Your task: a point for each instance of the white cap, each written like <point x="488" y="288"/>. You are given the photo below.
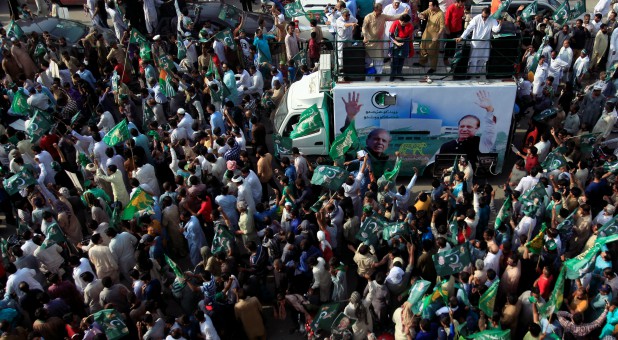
<point x="156" y="37"/>
<point x="187" y="34"/>
<point x="361" y="153"/>
<point x="181" y="111"/>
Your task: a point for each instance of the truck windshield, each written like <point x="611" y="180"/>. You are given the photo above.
<point x="282" y="111"/>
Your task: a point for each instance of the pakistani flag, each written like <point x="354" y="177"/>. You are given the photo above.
<point x="75" y="117"/>
<point x="223" y="240"/>
<point x="488" y="299"/>
<point x="391" y="175"/>
<point x="300" y="58"/>
<point x="455" y="169"/>
<point x="587" y="141"/>
<point x="282" y="145"/>
<point x="166" y="64"/>
<point x="230" y="14"/>
<point x="369" y="230"/>
<point x="14" y="31"/>
<point x="226" y="38"/>
<point x="419" y="109"/>
<point x="139" y="201"/>
<point x="417" y="291"/>
<point x="117" y="134"/>
<point x="491" y="334"/>
<point x="611" y="167"/>
<point x="556" y="297"/>
<point x="325" y="317"/>
<point x="330" y="177"/>
<point x="504" y="6"/>
<point x="145" y="51"/>
<point x="452" y="261"/>
<point x="20" y="106"/>
<point x="310" y="122"/>
<point x="609" y="228"/>
<point x="568" y="222"/>
<point x="38" y="126"/>
<point x="344" y="142"/>
<point x="393" y="229"/>
<point x="111" y="322"/>
<point x="529" y="11"/>
<point x="20" y="180"/>
<point x="453" y="228"/>
<point x="611" y="71"/>
<point x="554" y="160"/>
<point x="537" y="191"/>
<point x="182" y="49"/>
<point x="579" y="9"/>
<point x="505" y="212"/>
<point x="580" y="264"/>
<point x="137" y="37"/>
<point x="561" y="15"/>
<point x="174" y="267"/>
<point x="319" y="203"/>
<point x="535" y="246"/>
<point x="294" y="9"/>
<point x="54" y="236"/>
<point x="545" y="114"/>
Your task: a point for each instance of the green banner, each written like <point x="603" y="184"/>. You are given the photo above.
<point x="344" y="142"/>
<point x="330" y="177"/>
<point x="20" y="180"/>
<point x="117" y="134"/>
<point x="488" y="299"/>
<point x="112" y="324"/>
<point x="294" y="9"/>
<point x="453" y="260"/>
<point x="310" y="122"/>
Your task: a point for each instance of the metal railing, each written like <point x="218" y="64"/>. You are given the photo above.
<point x="445" y="59"/>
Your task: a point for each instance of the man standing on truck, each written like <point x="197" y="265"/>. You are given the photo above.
<point x="481" y="27"/>
<point x="429" y="43"/>
<point x="345" y="29"/>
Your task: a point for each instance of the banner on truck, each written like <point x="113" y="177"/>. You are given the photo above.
<point x="424" y="121"/>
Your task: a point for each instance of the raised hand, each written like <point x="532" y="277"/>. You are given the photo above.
<point x="483" y="101"/>
<point x="352" y="108"/>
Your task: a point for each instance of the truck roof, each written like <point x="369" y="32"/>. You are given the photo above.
<point x="424" y="83"/>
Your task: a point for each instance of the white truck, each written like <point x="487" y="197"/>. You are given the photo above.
<point x="426" y="121"/>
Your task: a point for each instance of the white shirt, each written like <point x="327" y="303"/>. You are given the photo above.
<point x="21" y="275"/>
<point x="208" y="329"/>
<point x="244" y="80"/>
<point x="526" y="184"/>
<point x="84" y="266"/>
<point x="253" y="182"/>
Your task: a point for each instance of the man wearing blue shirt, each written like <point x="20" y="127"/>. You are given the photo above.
<point x="216" y="119"/>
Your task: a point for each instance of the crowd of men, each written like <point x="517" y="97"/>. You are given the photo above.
<point x="147" y="203"/>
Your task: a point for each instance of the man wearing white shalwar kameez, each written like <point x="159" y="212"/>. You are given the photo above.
<point x="539" y="77"/>
<point x="122" y="247"/>
<point x="612" y="57"/>
<point x="150" y="14"/>
<point x="481" y="27"/>
<point x="119" y="26"/>
<point x="556" y="69"/>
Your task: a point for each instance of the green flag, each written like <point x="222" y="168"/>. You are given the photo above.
<point x="139" y="201"/>
<point x="117" y="134"/>
<point x="223" y="240"/>
<point x="561" y="15"/>
<point x="609" y="228"/>
<point x="54" y="236"/>
<point x="166" y="84"/>
<point x="226" y="38"/>
<point x="611" y="167"/>
<point x="300" y="58"/>
<point x="529" y="11"/>
<point x="578" y="265"/>
<point x="370" y="229"/>
<point x="75" y="117"/>
<point x="310" y="122"/>
<point x="282" y="145"/>
<point x="535" y="246"/>
<point x="344" y="142"/>
<point x="330" y="177"/>
<point x="553" y="161"/>
<point x="587" y="141"/>
<point x="504" y="6"/>
<point x="20" y="106"/>
<point x="20" y="180"/>
<point x="568" y="222"/>
<point x="145" y="51"/>
<point x="166" y="64"/>
<point x="557" y="295"/>
<point x="174" y="267"/>
<point x="137" y="37"/>
<point x="393" y="229"/>
<point x="182" y="49"/>
<point x="392" y="174"/>
<point x="491" y="334"/>
<point x="14" y="31"/>
<point x="417" y="291"/>
<point x="325" y="316"/>
<point x="455" y="169"/>
<point x="154" y="135"/>
<point x="38" y="126"/>
<point x="611" y="71"/>
<point x="505" y="212"/>
<point x="453" y="228"/>
<point x="488" y="299"/>
<point x="453" y="260"/>
<point x="579" y="9"/>
<point x="294" y="9"/>
<point x="230" y="14"/>
<point x="538" y="191"/>
<point x="111" y="322"/>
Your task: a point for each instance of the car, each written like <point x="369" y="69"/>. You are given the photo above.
<point x="72" y="2"/>
<point x="73" y="31"/>
<point x="544" y="7"/>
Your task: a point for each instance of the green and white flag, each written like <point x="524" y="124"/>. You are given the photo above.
<point x="568" y="222"/>
<point x="611" y="71"/>
<point x="310" y="122"/>
<point x="370" y="229"/>
<point x="330" y="177"/>
<point x="557" y="296"/>
<point x="166" y="64"/>
<point x="282" y="145"/>
<point x="111" y="322"/>
<point x="326" y="316"/>
<point x="453" y="260"/>
<point x="223" y="240"/>
<point x="182" y="49"/>
<point x="611" y="167"/>
<point x="54" y="236"/>
<point x="417" y="291"/>
<point x="300" y="58"/>
<point x="226" y="38"/>
<point x="136" y="37"/>
<point x="491" y="334"/>
<point x="145" y="51"/>
<point x="504" y="6"/>
<point x="419" y="109"/>
<point x="609" y="228"/>
<point x="579" y="9"/>
<point x="561" y="15"/>
<point x="488" y="299"/>
<point x="505" y="212"/>
<point x="20" y="106"/>
<point x="294" y="9"/>
<point x="38" y="126"/>
<point x="553" y="161"/>
<point x="393" y="229"/>
<point x="391" y="175"/>
<point x="117" y="134"/>
<point x="529" y="12"/>
<point x="587" y="141"/>
<point x="20" y="180"/>
<point x="535" y="246"/>
<point x="537" y="191"/>
<point x="230" y="14"/>
<point x="344" y="142"/>
<point x="14" y="31"/>
<point x="174" y="267"/>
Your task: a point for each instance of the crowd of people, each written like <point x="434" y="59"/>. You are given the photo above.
<point x="149" y="206"/>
